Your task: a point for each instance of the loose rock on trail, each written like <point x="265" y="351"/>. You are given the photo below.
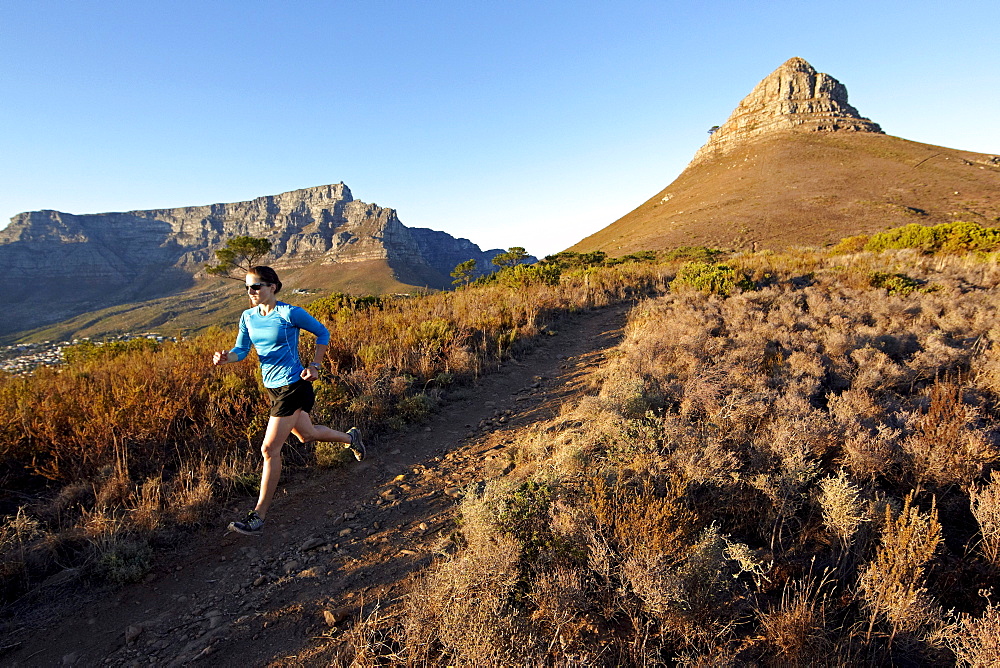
<point x="338" y="544"/>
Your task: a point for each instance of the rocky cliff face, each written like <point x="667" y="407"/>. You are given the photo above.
<point x="793" y="96"/>
<point x="63" y="264"/>
<point x="445" y="252"/>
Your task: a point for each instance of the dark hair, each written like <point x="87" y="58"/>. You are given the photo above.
<point x="267" y="275"/>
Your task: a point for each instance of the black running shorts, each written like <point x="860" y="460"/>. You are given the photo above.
<point x="287" y="399"/>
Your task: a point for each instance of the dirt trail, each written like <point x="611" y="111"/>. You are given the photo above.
<point x="337" y="542"/>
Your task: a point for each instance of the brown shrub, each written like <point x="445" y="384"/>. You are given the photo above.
<point x="561" y="616"/>
<point x="461" y="611"/>
<point x="986" y="509"/>
<point x="797" y="626"/>
<point x="698" y="598"/>
<point x="946" y="447"/>
<point x="893" y="583"/>
<point x="976" y="640"/>
<point x="644" y="514"/>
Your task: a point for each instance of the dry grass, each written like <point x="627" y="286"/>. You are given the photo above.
<point x="731" y="448"/>
<point x="141" y="441"/>
<point x="798" y="626"/>
<point x="463" y="611"/>
<point x="736" y="446"/>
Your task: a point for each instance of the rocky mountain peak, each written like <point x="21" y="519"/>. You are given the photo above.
<point x="794" y="96"/>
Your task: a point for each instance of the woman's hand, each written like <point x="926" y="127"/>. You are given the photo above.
<point x="310" y="373"/>
<point x="220" y="357"/>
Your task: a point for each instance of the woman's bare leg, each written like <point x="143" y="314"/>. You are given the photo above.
<point x="278" y="429"/>
<point x="306" y="431"/>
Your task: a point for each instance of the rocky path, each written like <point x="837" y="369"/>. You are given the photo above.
<point x="338" y="544"/>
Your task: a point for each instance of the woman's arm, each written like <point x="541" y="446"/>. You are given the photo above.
<point x="302" y="319"/>
<point x="239" y="351"/>
<point x="311" y="372"/>
<point x="319" y="355"/>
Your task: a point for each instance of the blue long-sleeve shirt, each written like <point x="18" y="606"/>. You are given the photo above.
<point x="276" y="338"/>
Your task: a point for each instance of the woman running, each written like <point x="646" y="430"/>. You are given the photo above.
<point x="272" y="327"/>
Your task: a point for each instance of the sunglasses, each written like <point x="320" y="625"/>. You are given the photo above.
<point x="256" y="286"/>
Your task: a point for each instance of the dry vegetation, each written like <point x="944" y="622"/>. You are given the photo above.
<point x="800" y="472"/>
<point x="789" y="460"/>
<point x="117" y="452"/>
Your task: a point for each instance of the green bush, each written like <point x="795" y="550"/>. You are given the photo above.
<point x="569" y="259"/>
<point x="245" y="484"/>
<point x="523" y="275"/>
<point x="416" y="408"/>
<point x="719" y="279"/>
<point x="524" y="516"/>
<point x="338" y="303"/>
<point x="123" y="560"/>
<point x="854" y="244"/>
<point x="434" y="332"/>
<point x="332" y="455"/>
<point x="693" y="254"/>
<point x="895" y="284"/>
<point x="638" y="256"/>
<point x="957" y="237"/>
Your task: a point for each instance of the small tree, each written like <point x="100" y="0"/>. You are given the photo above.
<point x="514" y="255"/>
<point x="712" y="130"/>
<point x="239" y="253"/>
<point x="463" y="272"/>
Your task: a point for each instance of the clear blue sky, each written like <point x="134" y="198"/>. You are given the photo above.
<point x="506" y="122"/>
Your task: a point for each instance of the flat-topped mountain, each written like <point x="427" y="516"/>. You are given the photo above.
<point x="796" y="165"/>
<point x="62" y="264"/>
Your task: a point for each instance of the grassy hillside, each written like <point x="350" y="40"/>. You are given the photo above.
<point x="808" y="189"/>
<point x="188" y="312"/>
<point x="219" y="302"/>
<point x="373" y="277"/>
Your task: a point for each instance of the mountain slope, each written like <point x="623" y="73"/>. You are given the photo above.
<point x="796" y="165"/>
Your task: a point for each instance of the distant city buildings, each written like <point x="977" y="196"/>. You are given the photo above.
<point x="23" y="358"/>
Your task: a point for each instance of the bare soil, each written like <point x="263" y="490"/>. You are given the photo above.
<point x="339" y="543"/>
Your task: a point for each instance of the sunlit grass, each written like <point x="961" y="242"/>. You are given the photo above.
<point x="130" y="440"/>
<point x="800" y="472"/>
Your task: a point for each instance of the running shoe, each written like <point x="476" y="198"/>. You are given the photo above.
<point x="356" y="446"/>
<point x="253" y="525"/>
